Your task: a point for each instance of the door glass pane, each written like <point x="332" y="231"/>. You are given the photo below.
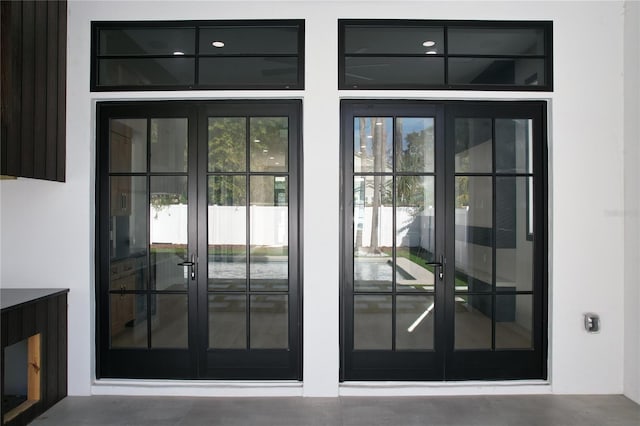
<point x="373" y="144"/>
<point x="514" y="321"/>
<point x="473" y="145"/>
<point x="128" y="145"/>
<point x="373" y="233"/>
<point x="514" y="142"/>
<point x="514" y="247"/>
<point x="128" y="273"/>
<point x="269" y="145"/>
<point x="372" y="322"/>
<point x="415" y="233"/>
<point x="127" y="225"/>
<point x="269" y="321"/>
<point x="414" y="322"/>
<point x="227" y="144"/>
<point x="244" y="72"/>
<point x="227" y="321"/>
<point x="414" y="145"/>
<point x="473" y="233"/>
<point x="472" y="322"/>
<point x="169" y="140"/>
<point x="178" y="71"/>
<point x="386" y="71"/>
<point x="168" y="232"/>
<point x="365" y="39"/>
<point x="128" y="318"/>
<point x="147" y="41"/>
<point x="169" y="321"/>
<point x="227" y="233"/>
<point x="496" y="41"/>
<point x="269" y="249"/>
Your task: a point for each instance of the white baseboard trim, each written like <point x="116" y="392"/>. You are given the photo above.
<point x="196" y="388"/>
<point x="518" y="387"/>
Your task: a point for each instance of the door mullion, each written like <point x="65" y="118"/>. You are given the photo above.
<point x="198" y="176"/>
<point x="148" y="231"/>
<point x="247" y="288"/>
<point x="445" y="225"/>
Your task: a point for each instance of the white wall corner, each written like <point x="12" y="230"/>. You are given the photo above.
<point x="632" y="199"/>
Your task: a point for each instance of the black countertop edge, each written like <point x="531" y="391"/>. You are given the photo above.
<point x="13" y="298"/>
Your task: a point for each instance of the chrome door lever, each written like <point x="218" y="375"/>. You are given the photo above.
<point x="440" y="266"/>
<point x="191" y="264"/>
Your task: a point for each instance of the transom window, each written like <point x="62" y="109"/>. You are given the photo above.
<point x="189" y="55"/>
<point x="465" y="55"/>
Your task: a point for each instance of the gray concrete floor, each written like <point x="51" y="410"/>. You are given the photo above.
<point x="542" y="410"/>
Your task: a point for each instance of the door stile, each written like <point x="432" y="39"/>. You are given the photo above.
<point x="200" y="292"/>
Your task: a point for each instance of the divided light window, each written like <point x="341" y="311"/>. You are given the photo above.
<point x="189" y="55"/>
<point x="463" y="55"/>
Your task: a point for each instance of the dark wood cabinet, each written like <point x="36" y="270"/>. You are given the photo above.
<point x="33" y="67"/>
<point x="37" y="317"/>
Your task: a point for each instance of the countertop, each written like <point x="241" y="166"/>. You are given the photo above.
<point x="11" y="298"/>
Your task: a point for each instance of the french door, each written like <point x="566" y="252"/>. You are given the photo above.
<point x="444" y="240"/>
<point x="197" y="242"/>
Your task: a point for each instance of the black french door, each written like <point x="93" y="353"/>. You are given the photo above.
<point x="444" y="240"/>
<point x="197" y="242"/>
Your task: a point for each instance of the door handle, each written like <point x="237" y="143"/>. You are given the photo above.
<point x="191" y="264"/>
<point x="440" y="266"/>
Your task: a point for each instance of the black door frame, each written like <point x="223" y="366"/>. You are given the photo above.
<point x="444" y="363"/>
<point x="191" y="363"/>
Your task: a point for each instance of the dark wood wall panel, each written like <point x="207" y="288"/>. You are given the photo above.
<point x="27" y="83"/>
<point x="34" y="89"/>
<point x="52" y="90"/>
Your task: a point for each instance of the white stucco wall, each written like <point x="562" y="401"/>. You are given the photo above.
<point x="55" y="247"/>
<point x="632" y="200"/>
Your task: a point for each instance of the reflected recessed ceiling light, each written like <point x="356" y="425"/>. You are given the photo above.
<point x="429" y="43"/>
<point x="431" y="52"/>
<point x="369" y="137"/>
<point x="378" y="123"/>
<point x="265" y="150"/>
<point x="256" y="140"/>
<point x="277" y="164"/>
<point x="217" y="44"/>
<point x="272" y="158"/>
<point x="363" y="146"/>
<point x="178" y="53"/>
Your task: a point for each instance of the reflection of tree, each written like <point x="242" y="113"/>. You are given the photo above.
<point x="379" y="160"/>
<point x="462" y="191"/>
<point x="226" y="153"/>
<point x="227" y="147"/>
<point x="463" y="135"/>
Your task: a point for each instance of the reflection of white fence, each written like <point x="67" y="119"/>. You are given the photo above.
<point x="414" y="228"/>
<point x="226" y="225"/>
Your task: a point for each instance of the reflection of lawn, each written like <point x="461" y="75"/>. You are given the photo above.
<point x="407" y="253"/>
<point x="178" y="249"/>
<point x="241" y="250"/>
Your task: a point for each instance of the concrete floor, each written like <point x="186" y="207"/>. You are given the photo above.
<point x="540" y="410"/>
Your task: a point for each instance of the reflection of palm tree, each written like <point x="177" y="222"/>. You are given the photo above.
<point x="379" y="152"/>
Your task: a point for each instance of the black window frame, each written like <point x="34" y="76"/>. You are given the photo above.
<point x="96" y="26"/>
<point x="546" y="56"/>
